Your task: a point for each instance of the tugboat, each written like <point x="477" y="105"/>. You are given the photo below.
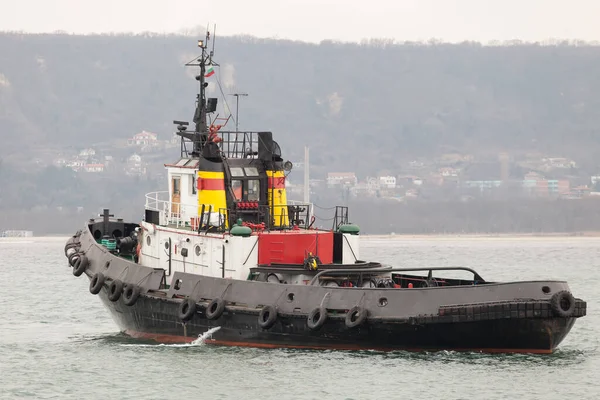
<point x="224" y="250"/>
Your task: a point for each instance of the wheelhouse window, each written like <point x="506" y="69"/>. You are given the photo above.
<point x="193" y="183"/>
<point x="253" y="192"/>
<point x="237" y="187"/>
<point x="245" y="183"/>
<point x="251" y="171"/>
<point x="237" y="172"/>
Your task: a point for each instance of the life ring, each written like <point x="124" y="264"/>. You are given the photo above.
<point x="115" y="288"/>
<point x="187" y="309"/>
<point x="215" y="308"/>
<point x="355" y="317"/>
<point x="80" y="265"/>
<point x="563" y="304"/>
<point x="316" y="318"/>
<point x="131" y="294"/>
<point x="267" y="317"/>
<point x="96" y="283"/>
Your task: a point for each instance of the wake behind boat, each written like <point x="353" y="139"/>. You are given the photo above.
<point x="223" y="247"/>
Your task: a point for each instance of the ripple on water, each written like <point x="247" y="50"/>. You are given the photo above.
<point x="59" y="342"/>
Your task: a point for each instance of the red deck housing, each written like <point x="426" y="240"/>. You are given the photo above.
<point x="292" y="247"/>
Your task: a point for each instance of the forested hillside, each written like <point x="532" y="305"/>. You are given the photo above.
<point x="377" y="100"/>
<point x="367" y="108"/>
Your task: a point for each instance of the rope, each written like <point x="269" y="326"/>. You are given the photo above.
<point x="323" y="219"/>
<point x="224" y="97"/>
<point x="324" y="208"/>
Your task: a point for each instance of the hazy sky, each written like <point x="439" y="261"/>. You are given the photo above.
<point x="315" y="20"/>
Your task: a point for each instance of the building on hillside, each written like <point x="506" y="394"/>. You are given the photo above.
<point x="535" y="184"/>
<point x="335" y="179"/>
<point x="143" y="138"/>
<point x="87" y="153"/>
<point x="94" y="168"/>
<point x="558" y="162"/>
<point x="76" y="165"/>
<point x="387" y="182"/>
<point x="483" y="185"/>
<point x="135" y="166"/>
<point x="447" y="172"/>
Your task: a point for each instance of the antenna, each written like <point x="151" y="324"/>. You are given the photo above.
<point x="212" y="52"/>
<point x="237" y="108"/>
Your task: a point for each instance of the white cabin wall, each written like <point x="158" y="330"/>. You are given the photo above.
<point x="241" y="254"/>
<point x="350" y="245"/>
<point x="188" y="199"/>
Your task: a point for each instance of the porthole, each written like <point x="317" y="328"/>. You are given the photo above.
<point x="382" y="302"/>
<point x="107" y="265"/>
<point x="290" y="297"/>
<point x="545" y="289"/>
<point x="148" y="240"/>
<point x="197" y="250"/>
<point x="166" y="245"/>
<point x="177" y="284"/>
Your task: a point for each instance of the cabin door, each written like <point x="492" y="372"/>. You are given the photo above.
<point x="175" y="194"/>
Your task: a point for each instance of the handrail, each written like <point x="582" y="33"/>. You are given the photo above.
<point x="180" y="214"/>
<point x="476" y="276"/>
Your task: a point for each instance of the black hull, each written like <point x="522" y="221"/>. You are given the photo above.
<point x="157" y="319"/>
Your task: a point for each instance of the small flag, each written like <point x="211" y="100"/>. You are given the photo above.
<point x="210" y="71"/>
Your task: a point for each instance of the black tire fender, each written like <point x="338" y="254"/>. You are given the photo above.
<point x="267" y="317"/>
<point x="316" y="318"/>
<point x="355" y="316"/>
<point x="96" y="283"/>
<point x="115" y="288"/>
<point x="215" y="308"/>
<point x="187" y="309"/>
<point x="131" y="294"/>
<point x="71" y="245"/>
<point x="563" y="304"/>
<point x="80" y="265"/>
<point x="73" y="257"/>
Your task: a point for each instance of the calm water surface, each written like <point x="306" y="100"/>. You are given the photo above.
<point x="58" y="342"/>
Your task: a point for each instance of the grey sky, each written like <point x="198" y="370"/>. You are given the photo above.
<point x="315" y="20"/>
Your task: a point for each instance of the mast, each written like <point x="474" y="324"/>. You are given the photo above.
<point x="204" y="106"/>
<point x="200" y="115"/>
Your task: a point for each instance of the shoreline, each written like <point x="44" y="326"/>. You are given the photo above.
<point x="547" y="235"/>
<point x="406" y="236"/>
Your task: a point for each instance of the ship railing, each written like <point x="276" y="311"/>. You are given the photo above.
<point x="171" y="213"/>
<point x="284" y="216"/>
<point x="346" y="271"/>
<point x="241" y="144"/>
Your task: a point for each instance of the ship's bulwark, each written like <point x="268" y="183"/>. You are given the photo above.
<point x="156" y="319"/>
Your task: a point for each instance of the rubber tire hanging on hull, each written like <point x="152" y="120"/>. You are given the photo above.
<point x="187" y="309"/>
<point x="131" y="294"/>
<point x="563" y="304"/>
<point x="355" y="316"/>
<point x="69" y="246"/>
<point x="267" y="317"/>
<point x="96" y="283"/>
<point x="115" y="288"/>
<point x="314" y="324"/>
<point x="80" y="265"/>
<point x="215" y="308"/>
<point x="73" y="257"/>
